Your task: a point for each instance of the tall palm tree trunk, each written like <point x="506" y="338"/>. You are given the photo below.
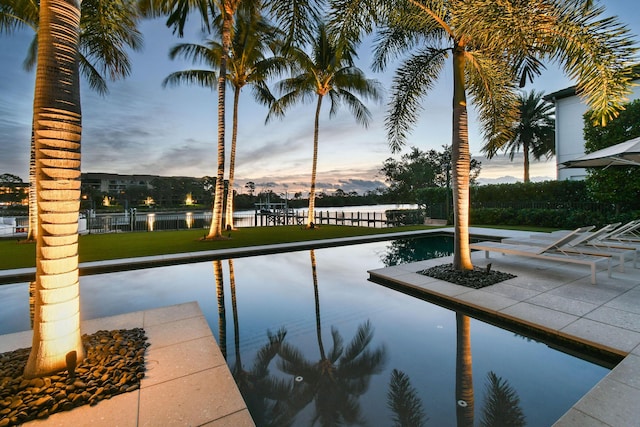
<point x="314" y="166"/>
<point x="232" y="161"/>
<point x="464" y="372"/>
<point x="222" y="314"/>
<point x="58" y="127"/>
<point x="215" y="231"/>
<point x="461" y="167"/>
<point x="316" y="294"/>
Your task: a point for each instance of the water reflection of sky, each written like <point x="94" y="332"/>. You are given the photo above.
<point x="276" y="291"/>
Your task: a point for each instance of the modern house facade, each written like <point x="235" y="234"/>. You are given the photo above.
<point x="569" y="112"/>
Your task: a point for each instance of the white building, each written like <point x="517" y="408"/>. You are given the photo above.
<point x="570" y="110"/>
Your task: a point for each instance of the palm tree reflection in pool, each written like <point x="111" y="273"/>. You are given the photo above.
<point x="339" y="378"/>
<point x="336" y="382"/>
<point x="404" y="402"/>
<point x="222" y="315"/>
<point x="501" y="402"/>
<point x="266" y="396"/>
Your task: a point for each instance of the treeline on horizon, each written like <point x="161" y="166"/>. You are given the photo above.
<point x="170" y="193"/>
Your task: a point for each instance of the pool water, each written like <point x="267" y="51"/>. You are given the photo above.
<point x="308" y="337"/>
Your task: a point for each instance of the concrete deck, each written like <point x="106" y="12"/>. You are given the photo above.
<point x="553" y="299"/>
<point x="187" y="380"/>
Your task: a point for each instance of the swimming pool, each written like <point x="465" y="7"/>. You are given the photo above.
<point x="322" y="298"/>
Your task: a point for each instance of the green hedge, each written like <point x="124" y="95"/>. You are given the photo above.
<point x="555" y="204"/>
<point x="553" y="218"/>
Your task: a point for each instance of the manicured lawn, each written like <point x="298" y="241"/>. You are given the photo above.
<point x="96" y="247"/>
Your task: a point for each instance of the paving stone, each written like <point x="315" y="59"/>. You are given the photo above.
<point x="185" y="358"/>
<point x="615" y="317"/>
<point x="194" y="399"/>
<point x="610" y="336"/>
<point x="612" y="402"/>
<point x="627" y="371"/>
<point x="562" y="304"/>
<point x="575" y="418"/>
<point x="545" y="317"/>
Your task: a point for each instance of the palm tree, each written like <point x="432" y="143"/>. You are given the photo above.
<point x="493" y="47"/>
<point x="56" y="148"/>
<point x="294" y="15"/>
<point x="329" y="71"/>
<point x="57" y="132"/>
<point x="106" y="28"/>
<point x="248" y="65"/>
<point x="533" y="131"/>
<point x="177" y="12"/>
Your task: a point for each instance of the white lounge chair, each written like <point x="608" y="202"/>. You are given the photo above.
<point x="630" y="232"/>
<point x="548" y="252"/>
<point x="584" y="242"/>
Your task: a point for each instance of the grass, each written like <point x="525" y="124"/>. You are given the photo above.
<point x="99" y="247"/>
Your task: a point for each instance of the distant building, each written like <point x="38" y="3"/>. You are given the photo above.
<point x="14" y="193"/>
<point x="131" y="190"/>
<point x="570" y="109"/>
<point x="114" y="183"/>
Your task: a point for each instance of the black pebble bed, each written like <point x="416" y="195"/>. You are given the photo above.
<point x="476" y="278"/>
<point x="114" y="364"/>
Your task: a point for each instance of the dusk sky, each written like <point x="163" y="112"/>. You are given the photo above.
<point x="141" y="128"/>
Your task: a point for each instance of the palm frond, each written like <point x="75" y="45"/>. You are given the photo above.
<point x="495" y="97"/>
<point x="204" y="78"/>
<point x="262" y="94"/>
<point x="297" y="18"/>
<point x="358" y="109"/>
<point x="597" y="52"/>
<point x="32" y="54"/>
<point x="349" y="19"/>
<point x="199" y="54"/>
<point x="107" y="27"/>
<point x="93" y="76"/>
<point x="413" y="79"/>
<point x="390" y="42"/>
<point x="17" y="14"/>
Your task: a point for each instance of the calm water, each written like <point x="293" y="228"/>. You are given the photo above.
<point x="342" y="337"/>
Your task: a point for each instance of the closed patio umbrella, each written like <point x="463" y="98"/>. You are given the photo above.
<point x="624" y="154"/>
